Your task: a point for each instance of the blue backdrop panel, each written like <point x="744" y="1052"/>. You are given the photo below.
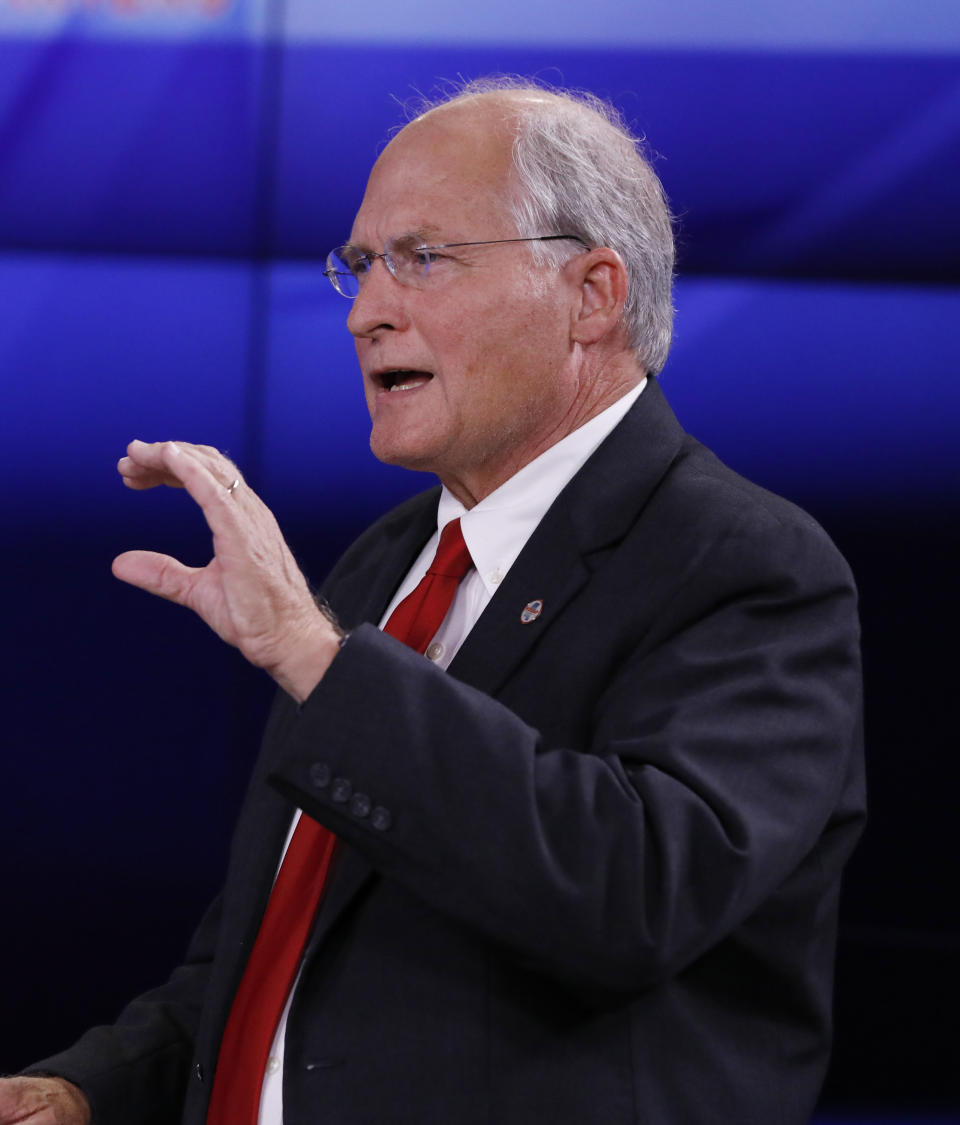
<point x="94" y="353"/>
<point x="138" y="146"/>
<point x="838" y="395"/>
<point x="97" y="351"/>
<point x="873" y="26"/>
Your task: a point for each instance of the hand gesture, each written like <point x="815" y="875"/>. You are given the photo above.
<point x="251" y="593"/>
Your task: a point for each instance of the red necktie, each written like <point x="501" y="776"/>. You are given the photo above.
<point x="417" y="618"/>
<point x="271" y="970"/>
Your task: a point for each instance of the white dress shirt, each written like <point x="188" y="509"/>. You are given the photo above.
<point x="496" y="531"/>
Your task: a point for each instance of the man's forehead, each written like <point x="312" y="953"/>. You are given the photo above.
<point x="462" y="141"/>
<point x="434" y="176"/>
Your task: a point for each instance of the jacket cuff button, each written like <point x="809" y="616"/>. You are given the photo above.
<point x="381" y="818"/>
<point x="360" y="805"/>
<point x="320" y="775"/>
<point x="341" y="790"/>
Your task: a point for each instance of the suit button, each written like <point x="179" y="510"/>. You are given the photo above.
<point x="381" y="818"/>
<point x="341" y="790"/>
<point x="360" y="805"/>
<point x="198" y="1071"/>
<point x="320" y="774"/>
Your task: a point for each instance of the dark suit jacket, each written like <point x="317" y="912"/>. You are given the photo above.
<point x="588" y="875"/>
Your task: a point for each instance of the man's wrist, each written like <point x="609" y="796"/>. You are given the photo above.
<point x="325" y="608"/>
<point x="308" y="658"/>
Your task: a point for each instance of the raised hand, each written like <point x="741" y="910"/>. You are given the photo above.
<point x="251" y="593"/>
<point x="42" y="1101"/>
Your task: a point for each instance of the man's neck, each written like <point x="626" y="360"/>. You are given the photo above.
<point x="600" y="390"/>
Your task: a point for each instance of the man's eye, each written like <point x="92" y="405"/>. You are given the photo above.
<point x="424" y="257"/>
<point x="359" y="265"/>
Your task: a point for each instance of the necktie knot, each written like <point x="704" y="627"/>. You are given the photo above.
<point x="452" y="559"/>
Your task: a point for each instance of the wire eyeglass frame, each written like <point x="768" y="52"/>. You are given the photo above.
<point x="408" y="264"/>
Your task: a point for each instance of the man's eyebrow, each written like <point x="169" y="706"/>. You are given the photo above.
<point x="422" y="236"/>
<point x="425" y="234"/>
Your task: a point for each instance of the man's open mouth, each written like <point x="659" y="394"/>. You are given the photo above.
<point x="403" y="379"/>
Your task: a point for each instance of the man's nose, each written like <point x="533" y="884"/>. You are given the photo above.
<point x="380" y="304"/>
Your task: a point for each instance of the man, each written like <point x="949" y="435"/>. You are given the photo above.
<point x="583" y="859"/>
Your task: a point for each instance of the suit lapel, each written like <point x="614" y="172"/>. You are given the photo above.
<point x="593" y="513"/>
<point x="550" y="570"/>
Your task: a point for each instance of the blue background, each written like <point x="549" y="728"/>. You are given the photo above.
<point x="172" y="173"/>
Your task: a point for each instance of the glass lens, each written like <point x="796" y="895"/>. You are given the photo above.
<point x="407" y="261"/>
<point x="341" y="266"/>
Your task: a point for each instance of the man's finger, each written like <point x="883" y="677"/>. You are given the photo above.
<point x="144" y="466"/>
<point x="137" y="477"/>
<point x="168" y="457"/>
<point x="203" y="471"/>
<point x="156" y="573"/>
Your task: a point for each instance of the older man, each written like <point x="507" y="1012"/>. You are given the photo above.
<point x="561" y="840"/>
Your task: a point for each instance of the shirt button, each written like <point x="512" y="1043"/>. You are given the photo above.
<point x="273" y="1064"/>
<point x="435" y="651"/>
<point x="494" y="577"/>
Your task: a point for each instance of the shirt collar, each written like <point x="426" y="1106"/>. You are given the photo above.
<point x="496" y="529"/>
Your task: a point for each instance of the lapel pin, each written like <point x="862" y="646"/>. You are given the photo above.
<point x="531" y="611"/>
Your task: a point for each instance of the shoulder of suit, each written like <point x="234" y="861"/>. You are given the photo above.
<point x="729" y="509"/>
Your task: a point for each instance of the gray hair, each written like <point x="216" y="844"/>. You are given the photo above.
<point x="580" y="171"/>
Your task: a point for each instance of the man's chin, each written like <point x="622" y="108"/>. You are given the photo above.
<point x="403" y="454"/>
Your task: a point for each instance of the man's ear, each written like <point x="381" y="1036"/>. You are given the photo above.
<point x="602" y="282"/>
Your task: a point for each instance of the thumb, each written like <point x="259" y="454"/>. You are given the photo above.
<point x="157" y="574"/>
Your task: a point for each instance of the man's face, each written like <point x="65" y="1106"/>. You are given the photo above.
<point x="481" y="359"/>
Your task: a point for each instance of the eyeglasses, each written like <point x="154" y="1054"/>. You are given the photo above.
<point x="408" y="261"/>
